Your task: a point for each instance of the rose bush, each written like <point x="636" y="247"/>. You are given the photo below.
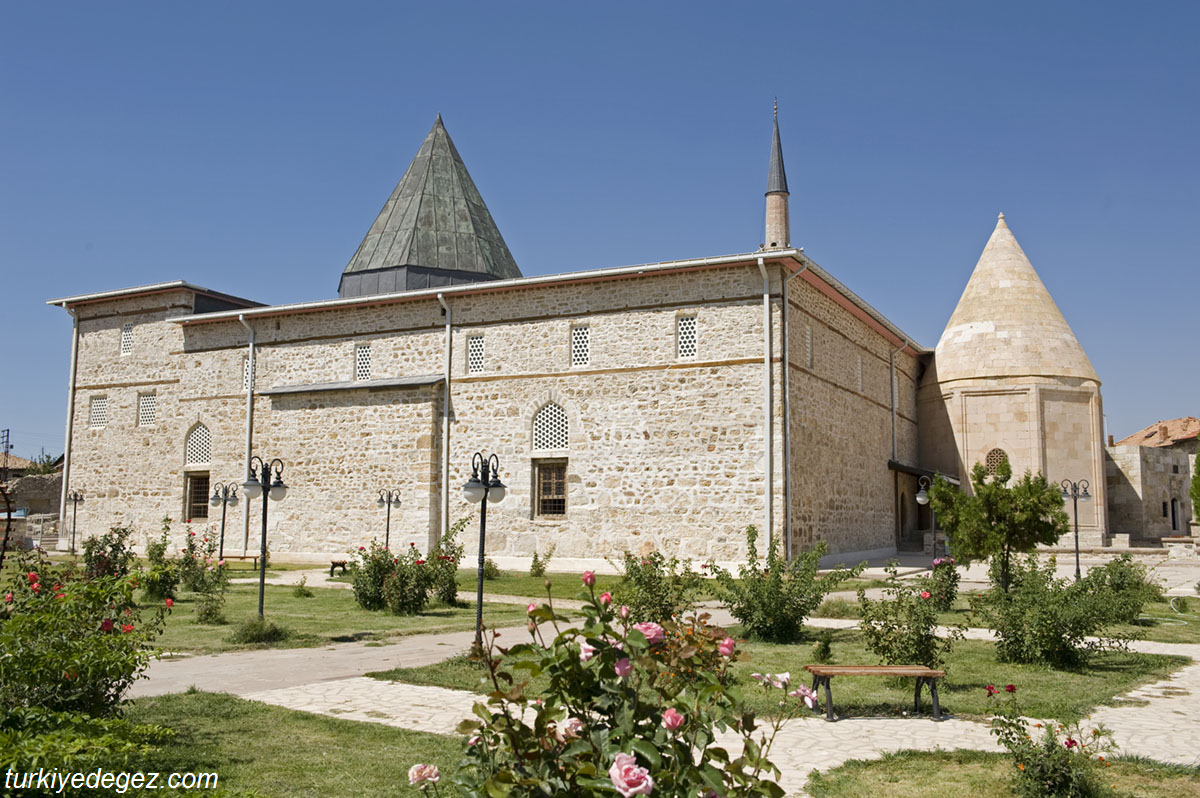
<point x="942" y="583"/>
<point x="902" y="628"/>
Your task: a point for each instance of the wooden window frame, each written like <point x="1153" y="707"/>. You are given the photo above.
<point x="192" y="480"/>
<point x="557" y="464"/>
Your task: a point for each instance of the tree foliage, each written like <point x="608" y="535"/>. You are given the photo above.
<point x="996" y="519"/>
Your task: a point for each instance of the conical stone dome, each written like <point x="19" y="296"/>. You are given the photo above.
<point x="1006" y="324"/>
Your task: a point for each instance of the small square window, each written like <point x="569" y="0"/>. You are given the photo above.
<point x="196" y="496"/>
<point x="126" y="339"/>
<point x="580" y="345"/>
<point x="474" y="354"/>
<point x="362" y="362"/>
<point x="685" y="335"/>
<point x="147" y="409"/>
<point x="550" y="478"/>
<point x="98" y="412"/>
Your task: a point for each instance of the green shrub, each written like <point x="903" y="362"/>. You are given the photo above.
<point x="443" y="561"/>
<point x="71" y="645"/>
<point x="942" y="583"/>
<point x="210" y="609"/>
<point x="199" y="569"/>
<point x="406" y="589"/>
<point x="108" y="554"/>
<point x="1128" y="584"/>
<point x="538" y="566"/>
<point x="773" y="600"/>
<point x="368" y="571"/>
<point x="258" y="631"/>
<point x="615" y="714"/>
<point x="1053" y="621"/>
<point x="33" y="738"/>
<point x="302" y="590"/>
<point x="838" y="608"/>
<point x="160" y="582"/>
<point x="901" y="629"/>
<point x="656" y="588"/>
<point x="823" y="648"/>
<point x="491" y="570"/>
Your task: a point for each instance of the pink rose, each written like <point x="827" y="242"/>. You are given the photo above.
<point x="624" y="612"/>
<point x="589" y="578"/>
<point x="726" y="647"/>
<point x="809" y="697"/>
<point x="781" y="680"/>
<point x="170" y="603"/>
<point x="474" y="740"/>
<point x="32" y="576"/>
<point x="8" y="598"/>
<point x="628" y="778"/>
<point x="421" y="773"/>
<point x="924" y="594"/>
<point x="672" y="720"/>
<point x="623" y="667"/>
<point x="606" y="599"/>
<point x="569" y="729"/>
<point x="221" y="563"/>
<point x="586" y="651"/>
<point x="651" y="630"/>
<point x="529" y="610"/>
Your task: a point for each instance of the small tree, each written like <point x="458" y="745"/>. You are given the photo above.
<point x="998" y="519"/>
<point x="1195" y="485"/>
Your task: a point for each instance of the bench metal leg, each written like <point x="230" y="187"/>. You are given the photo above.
<point x="828" y="699"/>
<point x="937" y="710"/>
<point x="917" y="696"/>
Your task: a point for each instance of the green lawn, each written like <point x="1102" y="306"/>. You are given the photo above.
<point x="330" y="616"/>
<point x="1044" y="693"/>
<point x="912" y="774"/>
<point x="272" y="751"/>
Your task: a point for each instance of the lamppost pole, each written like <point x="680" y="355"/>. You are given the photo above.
<point x="390" y="499"/>
<point x="260" y="483"/>
<point x="1075" y="491"/>
<point x="484" y="484"/>
<point x="923" y="499"/>
<point x="223" y="495"/>
<point x="75" y="497"/>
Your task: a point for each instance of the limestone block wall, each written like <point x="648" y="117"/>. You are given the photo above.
<point x="1143" y="482"/>
<point x="840" y="423"/>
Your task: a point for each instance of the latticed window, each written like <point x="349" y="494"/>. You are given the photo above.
<point x="98" y="412"/>
<point x="247" y="374"/>
<point x="474" y="354"/>
<point x="362" y="362"/>
<point x="685" y="335"/>
<point x="581" y="353"/>
<point x="196" y="496"/>
<point x="126" y="339"/>
<point x="551" y="478"/>
<point x="993" y="460"/>
<point x="550" y="428"/>
<point x="147" y="409"/>
<point x="199" y="445"/>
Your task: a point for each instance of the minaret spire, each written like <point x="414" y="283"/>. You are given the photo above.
<point x="778" y="235"/>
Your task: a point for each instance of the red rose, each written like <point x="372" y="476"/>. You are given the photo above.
<point x="170" y="603"/>
<point x="35" y="587"/>
<point x="420" y="562"/>
<point x="1010" y="688"/>
<point x="991" y="690"/>
<point x="127" y="628"/>
<point x="106" y="625"/>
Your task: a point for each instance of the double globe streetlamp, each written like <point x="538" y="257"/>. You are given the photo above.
<point x="265" y="477"/>
<point x="389" y="499"/>
<point x="75" y="497"/>
<point x="923" y="499"/>
<point x="1077" y="492"/>
<point x="483" y="486"/>
<point x="224" y="495"/>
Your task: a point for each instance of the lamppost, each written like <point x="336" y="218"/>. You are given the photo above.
<point x="224" y="495"/>
<point x="1076" y="492"/>
<point x="75" y="497"/>
<point x="390" y="499"/>
<point x="259" y="482"/>
<point x="923" y="499"/>
<point x="483" y="485"/>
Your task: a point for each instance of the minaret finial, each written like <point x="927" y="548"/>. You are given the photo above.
<point x="776" y="109"/>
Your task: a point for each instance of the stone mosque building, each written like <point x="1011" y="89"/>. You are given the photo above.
<point x="663" y="406"/>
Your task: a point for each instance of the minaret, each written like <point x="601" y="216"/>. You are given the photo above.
<point x="778" y="235"/>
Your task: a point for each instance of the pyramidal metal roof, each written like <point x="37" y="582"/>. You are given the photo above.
<point x="435" y="217"/>
<point x="1006" y="324"/>
<point x="776" y="177"/>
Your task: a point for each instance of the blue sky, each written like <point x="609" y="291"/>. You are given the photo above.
<point x="247" y="147"/>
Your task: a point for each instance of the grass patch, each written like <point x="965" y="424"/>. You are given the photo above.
<point x="281" y="752"/>
<point x="511" y="583"/>
<point x="914" y="774"/>
<point x="330" y="616"/>
<point x="1045" y="693"/>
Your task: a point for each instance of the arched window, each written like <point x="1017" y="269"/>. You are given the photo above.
<point x="198" y="450"/>
<point x="550" y="428"/>
<point x="993" y="460"/>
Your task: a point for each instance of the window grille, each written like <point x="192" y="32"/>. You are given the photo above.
<point x="474" y="354"/>
<point x="199" y="445"/>
<point x="550" y="428"/>
<point x="362" y="362"/>
<point x="98" y="412"/>
<point x="808" y="347"/>
<point x="147" y="409"/>
<point x="994" y="459"/>
<point x="552" y="489"/>
<point x="247" y="374"/>
<point x="686" y="336"/>
<point x="126" y="339"/>
<point x="196" y="497"/>
<point x="580" y="345"/>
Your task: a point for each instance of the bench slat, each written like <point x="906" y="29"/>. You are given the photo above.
<point x="873" y="670"/>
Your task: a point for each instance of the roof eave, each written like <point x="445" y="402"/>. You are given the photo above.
<point x="146" y="290"/>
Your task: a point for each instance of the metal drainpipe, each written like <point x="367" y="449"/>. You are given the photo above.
<point x="768" y="427"/>
<point x="787" y="432"/>
<point x="66" y="481"/>
<point x="446" y="422"/>
<point x="249" y="432"/>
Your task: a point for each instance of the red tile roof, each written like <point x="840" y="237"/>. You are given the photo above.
<point x="1164" y="433"/>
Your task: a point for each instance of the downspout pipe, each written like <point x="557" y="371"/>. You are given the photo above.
<point x="249" y="429"/>
<point x="768" y="427"/>
<point x="446" y="421"/>
<point x="787" y="426"/>
<point x="66" y="480"/>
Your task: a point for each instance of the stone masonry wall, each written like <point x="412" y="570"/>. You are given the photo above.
<point x="1140" y="480"/>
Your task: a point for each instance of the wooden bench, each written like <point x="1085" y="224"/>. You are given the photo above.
<point x="337" y="564"/>
<point x="823" y="673"/>
<point x="252" y="557"/>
